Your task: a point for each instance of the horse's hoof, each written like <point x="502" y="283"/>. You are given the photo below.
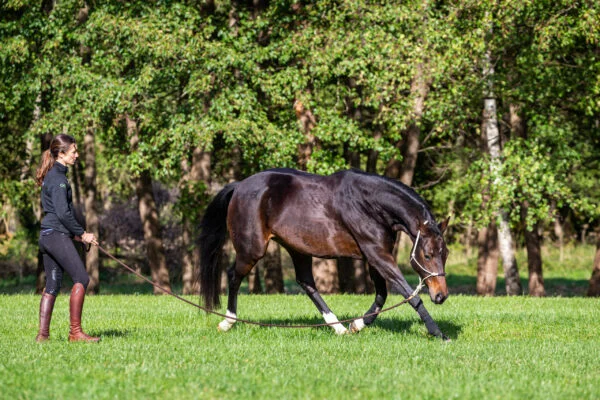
<point x="342" y="331"/>
<point x="356" y="326"/>
<point x="446" y="339"/>
<point x="224" y="326"/>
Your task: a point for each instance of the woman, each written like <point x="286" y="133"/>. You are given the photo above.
<point x="58" y="229"/>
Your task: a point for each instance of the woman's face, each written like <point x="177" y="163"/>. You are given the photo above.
<point x="70" y="156"/>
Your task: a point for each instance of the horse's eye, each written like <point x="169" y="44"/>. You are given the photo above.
<point x="427" y="257"/>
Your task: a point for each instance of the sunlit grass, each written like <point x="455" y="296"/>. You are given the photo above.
<point x="157" y="347"/>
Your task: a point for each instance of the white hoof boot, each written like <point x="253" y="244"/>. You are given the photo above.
<point x="330" y="318"/>
<point x="357" y="325"/>
<point x="227" y="323"/>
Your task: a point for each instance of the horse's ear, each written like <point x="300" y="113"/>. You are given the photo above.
<point x="444" y="224"/>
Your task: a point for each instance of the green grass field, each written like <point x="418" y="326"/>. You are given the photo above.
<point x="158" y="347"/>
<point x="155" y="347"/>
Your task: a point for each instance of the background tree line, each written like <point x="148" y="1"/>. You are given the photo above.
<point x="490" y="109"/>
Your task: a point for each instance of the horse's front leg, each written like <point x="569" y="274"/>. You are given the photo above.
<point x="383" y="261"/>
<point x="376" y="307"/>
<point x="417" y="304"/>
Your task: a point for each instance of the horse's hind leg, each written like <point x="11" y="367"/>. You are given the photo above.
<point x="380" y="297"/>
<point x="235" y="274"/>
<point x="304" y="277"/>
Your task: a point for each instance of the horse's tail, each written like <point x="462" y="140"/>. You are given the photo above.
<point x="213" y="233"/>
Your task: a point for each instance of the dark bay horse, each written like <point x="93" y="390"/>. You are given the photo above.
<point x="347" y="214"/>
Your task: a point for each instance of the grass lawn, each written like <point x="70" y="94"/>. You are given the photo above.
<point x="158" y="347"/>
<point x="155" y="347"/>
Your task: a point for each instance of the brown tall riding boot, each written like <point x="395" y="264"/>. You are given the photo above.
<point x="75" y="308"/>
<point x="46" y="307"/>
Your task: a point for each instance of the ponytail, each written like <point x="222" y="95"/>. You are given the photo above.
<point x="45" y="165"/>
<point x="60" y="144"/>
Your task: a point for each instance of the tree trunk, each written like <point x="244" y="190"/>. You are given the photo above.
<point x="534" y="262"/>
<point x="487" y="260"/>
<point x="405" y="170"/>
<point x="505" y="240"/>
<point x="199" y="171"/>
<point x="419" y="89"/>
<point x="467" y="240"/>
<point x="345" y="267"/>
<point x="352" y="157"/>
<point x="190" y="261"/>
<point x="254" y="285"/>
<point x="532" y="239"/>
<point x="353" y="276"/>
<point x="149" y="216"/>
<point x="326" y="275"/>
<point x="152" y="235"/>
<point x="373" y="155"/>
<point x="272" y="267"/>
<point x="307" y="122"/>
<point x="560" y="235"/>
<point x="362" y="282"/>
<point x="91" y="212"/>
<point x="492" y="136"/>
<point x="594" y="288"/>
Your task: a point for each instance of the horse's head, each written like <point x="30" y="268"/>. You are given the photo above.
<point x="428" y="258"/>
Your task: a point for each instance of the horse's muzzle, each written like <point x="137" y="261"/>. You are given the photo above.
<point x="439" y="298"/>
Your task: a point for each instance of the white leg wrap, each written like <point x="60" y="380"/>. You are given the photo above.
<point x="227" y="323"/>
<point x="339" y="328"/>
<point x="357" y="325"/>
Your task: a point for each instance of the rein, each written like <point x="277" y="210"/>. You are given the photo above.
<point x="409" y="298"/>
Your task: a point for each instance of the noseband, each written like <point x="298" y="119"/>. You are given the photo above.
<point x="413" y="258"/>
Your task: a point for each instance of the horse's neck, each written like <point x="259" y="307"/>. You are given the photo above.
<point x="407" y="210"/>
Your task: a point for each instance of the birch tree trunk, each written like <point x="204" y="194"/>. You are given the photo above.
<point x="92" y="259"/>
<point x="492" y="135"/>
<point x="149" y="216"/>
<point x="505" y="240"/>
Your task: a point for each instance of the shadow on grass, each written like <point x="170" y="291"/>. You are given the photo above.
<point x="113" y="333"/>
<point x="449" y="328"/>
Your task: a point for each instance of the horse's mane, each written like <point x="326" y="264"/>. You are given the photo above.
<point x="406" y="191"/>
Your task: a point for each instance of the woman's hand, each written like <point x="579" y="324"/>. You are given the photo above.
<point x="89" y="238"/>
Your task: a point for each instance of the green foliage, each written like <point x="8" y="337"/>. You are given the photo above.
<point x="226" y="77"/>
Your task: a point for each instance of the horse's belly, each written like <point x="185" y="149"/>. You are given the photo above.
<point x="319" y="238"/>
